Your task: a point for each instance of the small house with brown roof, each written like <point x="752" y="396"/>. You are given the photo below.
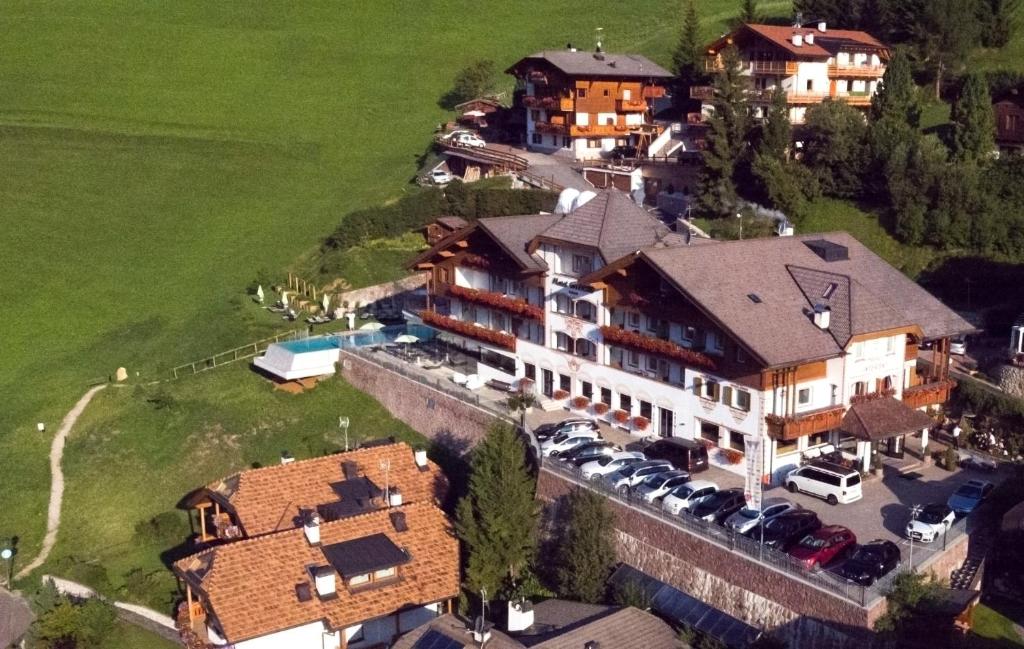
<point x="343" y="551"/>
<point x="810" y="64"/>
<point x="1009" y="115"/>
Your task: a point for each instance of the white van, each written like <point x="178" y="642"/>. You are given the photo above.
<point x="835" y="483"/>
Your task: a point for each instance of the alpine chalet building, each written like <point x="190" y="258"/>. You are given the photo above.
<point x="774" y="347"/>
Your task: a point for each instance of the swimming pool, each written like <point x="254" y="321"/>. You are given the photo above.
<point x="318" y="344"/>
<point x="360" y="339"/>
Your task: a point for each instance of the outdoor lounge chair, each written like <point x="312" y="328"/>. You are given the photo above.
<point x="458" y="378"/>
<point x="474" y="382"/>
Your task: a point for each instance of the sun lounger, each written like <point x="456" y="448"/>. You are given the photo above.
<point x="474" y="382"/>
<point x="459" y="379"/>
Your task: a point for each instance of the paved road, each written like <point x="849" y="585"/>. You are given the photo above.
<point x="57" y="481"/>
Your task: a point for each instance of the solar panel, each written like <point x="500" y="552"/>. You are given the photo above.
<point x="436" y="640"/>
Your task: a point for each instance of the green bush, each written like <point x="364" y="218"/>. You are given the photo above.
<point x="157" y="589"/>
<point x="91" y="574"/>
<point x="950" y="459"/>
<point x="166" y="529"/>
<point x="81" y="626"/>
<point x="983" y="401"/>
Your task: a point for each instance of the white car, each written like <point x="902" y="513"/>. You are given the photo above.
<point x="599" y="468"/>
<point x="687" y="495"/>
<point x="440" y="177"/>
<point x="933" y="521"/>
<point x="464" y="138"/>
<point x="565" y="441"/>
<point x="634" y="474"/>
<point x="747" y="519"/>
<point x="958" y="346"/>
<point x="656" y="486"/>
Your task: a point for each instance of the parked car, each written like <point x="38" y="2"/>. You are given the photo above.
<point x="545" y="432"/>
<point x="564" y="441"/>
<point x="465" y="138"/>
<point x="719" y="506"/>
<point x="586" y="452"/>
<point x="746" y="519"/>
<point x="685" y="496"/>
<point x="597" y="469"/>
<point x="632" y="475"/>
<point x="871" y="562"/>
<point x="933" y="521"/>
<point x="970" y="494"/>
<point x="440" y="177"/>
<point x="656" y="486"/>
<point x="623" y="151"/>
<point x="835" y="483"/>
<point x="958" y="346"/>
<point x="824" y="545"/>
<point x="786" y="529"/>
<point x="684" y="454"/>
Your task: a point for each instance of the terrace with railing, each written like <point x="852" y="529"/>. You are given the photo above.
<point x="805" y="423"/>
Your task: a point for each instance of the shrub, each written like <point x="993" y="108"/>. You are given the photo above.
<point x="560" y="394"/>
<point x="641" y="423"/>
<point x="631" y="593"/>
<point x="600" y="408"/>
<point x="526" y="385"/>
<point x="81" y="626"/>
<point x="157" y="588"/>
<point x="621" y="416"/>
<point x="165" y="529"/>
<point x="950" y="459"/>
<point x="91" y="574"/>
<point x="579" y="403"/>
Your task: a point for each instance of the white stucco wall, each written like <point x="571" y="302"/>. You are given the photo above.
<point x="307" y="636"/>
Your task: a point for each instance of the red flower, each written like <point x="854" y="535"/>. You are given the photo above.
<point x="651" y="345"/>
<point x="600" y="408"/>
<point x="579" y="403"/>
<point x="560" y="394"/>
<point x="516" y="306"/>
<point x="732" y="456"/>
<point x="508" y="341"/>
<point x="621" y="416"/>
<point x="641" y="423"/>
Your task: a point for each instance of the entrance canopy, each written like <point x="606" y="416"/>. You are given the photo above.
<point x="879" y="419"/>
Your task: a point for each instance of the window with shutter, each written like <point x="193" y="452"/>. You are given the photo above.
<point x="727" y="396"/>
<point x="716" y="391"/>
<point x="697" y="384"/>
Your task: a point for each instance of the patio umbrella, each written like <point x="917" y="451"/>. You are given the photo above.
<point x="284" y="298"/>
<point x="326" y="302"/>
<point x="259" y="293"/>
<point x="474" y="113"/>
<point x="371" y="326"/>
<point x="407" y="339"/>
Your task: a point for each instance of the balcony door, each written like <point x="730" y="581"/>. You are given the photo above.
<point x="666" y="422"/>
<point x="547" y="387"/>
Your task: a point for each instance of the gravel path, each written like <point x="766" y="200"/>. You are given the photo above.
<point x="57" y="481"/>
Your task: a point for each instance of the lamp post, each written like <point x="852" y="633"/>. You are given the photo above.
<point x="740" y="217"/>
<point x="7" y="554"/>
<point x="915" y="511"/>
<point x="343" y="424"/>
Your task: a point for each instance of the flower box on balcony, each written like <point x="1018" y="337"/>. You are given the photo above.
<point x="732" y="456"/>
<point x="641" y="423"/>
<point x="469" y="330"/>
<point x="560" y="395"/>
<point x="657" y="346"/>
<point x="600" y="408"/>
<point x="580" y="403"/>
<point x="515" y="306"/>
<point x="620" y="416"/>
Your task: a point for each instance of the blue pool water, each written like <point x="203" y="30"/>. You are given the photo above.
<point x="362" y="339"/>
<point x="310" y="345"/>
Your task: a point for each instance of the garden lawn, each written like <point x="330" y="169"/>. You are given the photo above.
<point x="137" y="451"/>
<point x="157" y="156"/>
<point x="126" y="636"/>
<point x="993" y="630"/>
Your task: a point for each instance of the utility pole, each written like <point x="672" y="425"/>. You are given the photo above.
<point x="915" y="511"/>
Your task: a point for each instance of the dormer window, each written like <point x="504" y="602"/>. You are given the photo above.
<point x="581" y="264"/>
<point x="366" y="561"/>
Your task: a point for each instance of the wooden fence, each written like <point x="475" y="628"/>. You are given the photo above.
<point x="238" y="353"/>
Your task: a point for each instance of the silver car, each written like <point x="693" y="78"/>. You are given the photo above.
<point x="599" y="468"/>
<point x="747" y="519"/>
<point x="631" y="476"/>
<point x="656" y="486"/>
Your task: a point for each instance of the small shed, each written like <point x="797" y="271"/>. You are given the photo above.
<point x="299" y="359"/>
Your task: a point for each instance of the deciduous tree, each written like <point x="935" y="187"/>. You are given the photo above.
<point x="497" y="519"/>
<point x="586" y="553"/>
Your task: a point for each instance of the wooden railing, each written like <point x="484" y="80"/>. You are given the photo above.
<point x="238" y="353"/>
<point x="630" y="105"/>
<point x="928" y="394"/>
<point x="549" y="127"/>
<point x="469" y="330"/>
<point x="807" y="423"/>
<point x="515" y="305"/>
<point x="487" y="154"/>
<point x="848" y="70"/>
<point x="657" y="346"/>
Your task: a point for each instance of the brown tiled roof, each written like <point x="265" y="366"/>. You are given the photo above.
<point x="269" y="499"/>
<point x="825" y="44"/>
<point x="881" y="418"/>
<point x="453" y="222"/>
<point x="786" y="275"/>
<point x="452" y="627"/>
<point x="249" y="586"/>
<point x="514" y="233"/>
<point x="612" y="224"/>
<point x="591" y="64"/>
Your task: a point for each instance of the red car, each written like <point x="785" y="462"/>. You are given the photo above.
<point x="823" y="545"/>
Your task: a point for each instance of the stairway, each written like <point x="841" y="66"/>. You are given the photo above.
<point x="550" y="405"/>
<point x="965" y="575"/>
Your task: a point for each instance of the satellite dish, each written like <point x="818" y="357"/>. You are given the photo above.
<point x="566" y="200"/>
<point x="583" y="199"/>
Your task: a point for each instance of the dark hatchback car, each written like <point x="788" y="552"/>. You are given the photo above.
<point x="720" y="505"/>
<point x="586" y="452"/>
<point x="871" y="562"/>
<point x="684" y="454"/>
<point x="545" y="432"/>
<point x="783" y="531"/>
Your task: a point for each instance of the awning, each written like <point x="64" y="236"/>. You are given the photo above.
<point x="874" y="420"/>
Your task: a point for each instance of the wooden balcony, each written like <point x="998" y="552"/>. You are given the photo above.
<point x="566" y="104"/>
<point x="811" y="98"/>
<point x="787" y="68"/>
<point x="630" y="105"/>
<point x="548" y="102"/>
<point x="928" y="394"/>
<point x="550" y="127"/>
<point x="856" y="71"/>
<point x="598" y="130"/>
<point x="803" y="424"/>
<point x="702" y="92"/>
<point x="517" y="306"/>
<point x="653" y="92"/>
<point x="657" y="346"/>
<point x="469" y="330"/>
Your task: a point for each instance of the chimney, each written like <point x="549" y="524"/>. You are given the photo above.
<point x="323" y="579"/>
<point x="592" y="644"/>
<point x="311" y="528"/>
<point x="482" y="631"/>
<point x="569" y="47"/>
<point x="286" y="457"/>
<point x="822" y="27"/>
<point x="520" y="615"/>
<point x="822" y="316"/>
<point x="809" y="38"/>
<point x="394" y="497"/>
<point x="420" y="455"/>
<point x="798" y="40"/>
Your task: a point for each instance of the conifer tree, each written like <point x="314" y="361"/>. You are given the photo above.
<point x="728" y="127"/>
<point x="497" y="519"/>
<point x="973" y="121"/>
<point x="586" y="553"/>
<point x="748" y="12"/>
<point x="687" y="58"/>
<point x="896" y="97"/>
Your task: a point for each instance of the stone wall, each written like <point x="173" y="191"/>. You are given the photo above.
<point x="436" y="415"/>
<point x="371" y="294"/>
<point x="1011" y="380"/>
<point x="750" y="591"/>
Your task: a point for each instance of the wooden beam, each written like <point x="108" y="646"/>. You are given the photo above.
<point x="202" y="524"/>
<point x="424" y="266"/>
<point x="462" y="244"/>
<point x="446" y="253"/>
<point x="598" y="286"/>
<point x="188" y="597"/>
<point x="622" y="271"/>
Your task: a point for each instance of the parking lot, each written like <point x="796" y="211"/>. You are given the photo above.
<point x="882" y="513"/>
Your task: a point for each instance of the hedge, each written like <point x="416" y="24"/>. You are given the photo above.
<point x="424" y="205"/>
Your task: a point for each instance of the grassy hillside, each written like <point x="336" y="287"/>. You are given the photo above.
<point x="156" y="156"/>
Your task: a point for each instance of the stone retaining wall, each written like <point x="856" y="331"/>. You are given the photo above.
<point x="371" y="294"/>
<point x="439" y="417"/>
<point x="743" y="588"/>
